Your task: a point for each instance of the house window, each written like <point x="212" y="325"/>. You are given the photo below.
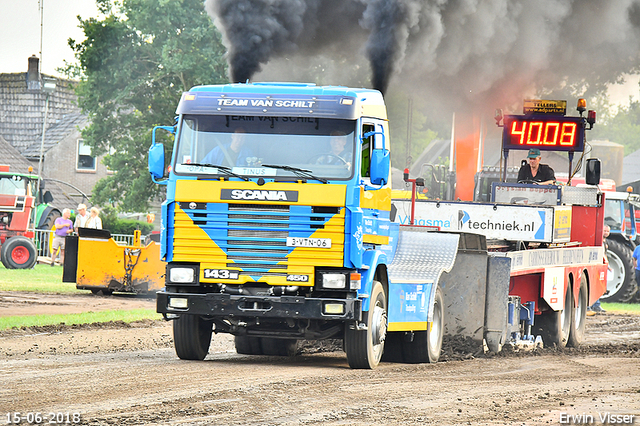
<point x="85" y="160"/>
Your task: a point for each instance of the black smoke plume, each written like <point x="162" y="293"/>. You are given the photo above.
<point x="466" y="50"/>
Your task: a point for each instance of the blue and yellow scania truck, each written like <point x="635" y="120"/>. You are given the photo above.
<point x="278" y="226"/>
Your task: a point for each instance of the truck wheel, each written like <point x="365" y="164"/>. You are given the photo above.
<point x="579" y="321"/>
<point x="279" y="347"/>
<point x="427" y="345"/>
<point x="192" y="337"/>
<point x="364" y="347"/>
<point x="246" y="345"/>
<point x="554" y="326"/>
<point x="621" y="286"/>
<point x="18" y="253"/>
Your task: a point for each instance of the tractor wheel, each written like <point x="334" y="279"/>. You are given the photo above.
<point x="18" y="253"/>
<point x="50" y="220"/>
<point x="555" y="326"/>
<point x="427" y="345"/>
<point x="192" y="337"/>
<point x="279" y="347"/>
<point x="621" y="285"/>
<point x="579" y="320"/>
<point x="246" y="345"/>
<point x="364" y="347"/>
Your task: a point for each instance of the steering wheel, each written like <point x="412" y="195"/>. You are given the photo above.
<point x="327" y="159"/>
<point x="529" y="181"/>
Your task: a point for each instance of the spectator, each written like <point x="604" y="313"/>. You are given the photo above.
<point x="596" y="308"/>
<point x="536" y="172"/>
<point x="94" y="220"/>
<point x="64" y="227"/>
<point x="81" y="217"/>
<point x="636" y="264"/>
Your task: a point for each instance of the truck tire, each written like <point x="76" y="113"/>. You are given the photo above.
<point x="18" y="253"/>
<point x="246" y="345"/>
<point x="555" y="326"/>
<point x="427" y="345"/>
<point x="279" y="347"/>
<point x="621" y="285"/>
<point x="364" y="347"/>
<point x="192" y="337"/>
<point x="579" y="319"/>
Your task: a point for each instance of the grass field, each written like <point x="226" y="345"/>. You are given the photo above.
<point x="47" y="279"/>
<point x="41" y="279"/>
<point x="84" y="318"/>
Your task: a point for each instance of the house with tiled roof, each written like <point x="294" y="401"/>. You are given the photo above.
<point x="61" y="154"/>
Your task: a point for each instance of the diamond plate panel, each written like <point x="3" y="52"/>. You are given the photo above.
<point x="580" y="196"/>
<point x="422" y="255"/>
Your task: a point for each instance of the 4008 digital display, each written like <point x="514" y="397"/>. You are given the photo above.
<point x="547" y="133"/>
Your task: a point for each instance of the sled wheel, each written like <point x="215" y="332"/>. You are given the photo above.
<point x="18" y="253"/>
<point x="554" y="326"/>
<point x="364" y="347"/>
<point x="192" y="337"/>
<point x="579" y="320"/>
<point x="427" y="345"/>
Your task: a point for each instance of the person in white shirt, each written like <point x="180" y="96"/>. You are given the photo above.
<point x="94" y="220"/>
<point x="81" y="217"/>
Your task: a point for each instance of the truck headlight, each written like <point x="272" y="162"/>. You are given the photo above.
<point x="182" y="275"/>
<point x="335" y="281"/>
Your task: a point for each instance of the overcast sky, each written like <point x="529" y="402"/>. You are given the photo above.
<point x="20" y="32"/>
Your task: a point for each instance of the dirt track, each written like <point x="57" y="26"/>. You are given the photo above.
<point x="129" y="374"/>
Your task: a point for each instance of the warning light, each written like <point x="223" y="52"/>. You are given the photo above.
<point x="30" y="169"/>
<point x="591" y="118"/>
<point x="582" y="105"/>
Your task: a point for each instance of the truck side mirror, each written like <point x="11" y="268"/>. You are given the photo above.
<point x="156" y="161"/>
<point x="379" y="166"/>
<point x="156" y="154"/>
<point x="592" y="174"/>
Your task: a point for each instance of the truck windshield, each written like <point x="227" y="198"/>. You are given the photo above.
<point x="323" y="147"/>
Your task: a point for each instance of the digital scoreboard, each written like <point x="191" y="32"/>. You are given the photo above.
<point x="545" y="132"/>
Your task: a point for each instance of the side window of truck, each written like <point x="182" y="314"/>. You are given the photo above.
<point x="367" y="145"/>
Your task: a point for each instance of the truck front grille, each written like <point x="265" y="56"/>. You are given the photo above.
<point x="253" y="238"/>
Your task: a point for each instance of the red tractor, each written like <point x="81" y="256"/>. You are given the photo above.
<point x="17" y="202"/>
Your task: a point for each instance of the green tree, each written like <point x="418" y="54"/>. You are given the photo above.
<point x="134" y="65"/>
<point x="621" y="127"/>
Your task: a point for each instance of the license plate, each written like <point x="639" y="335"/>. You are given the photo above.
<point x="309" y="242"/>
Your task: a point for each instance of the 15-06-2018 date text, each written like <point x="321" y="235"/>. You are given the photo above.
<point x="35" y="418"/>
